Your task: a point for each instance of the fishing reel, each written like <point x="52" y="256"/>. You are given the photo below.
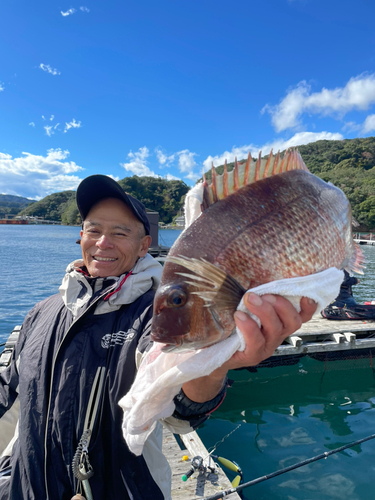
<point x="197" y="465"/>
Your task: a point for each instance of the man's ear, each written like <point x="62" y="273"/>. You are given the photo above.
<point x="146" y="242"/>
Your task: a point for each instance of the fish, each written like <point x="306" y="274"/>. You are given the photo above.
<point x="265" y="220"/>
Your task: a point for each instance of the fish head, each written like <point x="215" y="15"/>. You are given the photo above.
<point x="184" y="318"/>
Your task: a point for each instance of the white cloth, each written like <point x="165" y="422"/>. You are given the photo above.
<point x="161" y="375"/>
<point x="193" y="202"/>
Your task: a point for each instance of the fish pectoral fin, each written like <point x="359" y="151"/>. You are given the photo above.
<point x="214" y="285"/>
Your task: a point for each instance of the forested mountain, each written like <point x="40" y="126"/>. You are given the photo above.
<point x="51" y="207"/>
<point x="11" y="205"/>
<point x="348" y="164"/>
<point x="159" y="195"/>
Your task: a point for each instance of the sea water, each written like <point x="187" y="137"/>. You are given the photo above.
<point x="285" y="414"/>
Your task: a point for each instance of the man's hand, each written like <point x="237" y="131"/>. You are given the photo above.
<point x="278" y="318"/>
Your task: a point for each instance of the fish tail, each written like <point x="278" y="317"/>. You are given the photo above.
<point x="357" y="260"/>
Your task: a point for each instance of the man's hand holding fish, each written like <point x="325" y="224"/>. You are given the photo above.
<point x="278" y="318"/>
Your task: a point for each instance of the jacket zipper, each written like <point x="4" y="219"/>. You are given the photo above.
<point x="52" y="372"/>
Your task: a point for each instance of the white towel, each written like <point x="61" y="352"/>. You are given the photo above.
<point x="161" y="375"/>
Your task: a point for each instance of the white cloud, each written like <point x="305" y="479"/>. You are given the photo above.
<point x="48" y="69"/>
<point x="36" y="176"/>
<point x="139" y="164"/>
<point x="68" y="12"/>
<point x="369" y="124"/>
<point x="52" y="117"/>
<point x="32" y="124"/>
<point x="164" y="159"/>
<point x="277" y="145"/>
<point x="351" y="127"/>
<point x="358" y="94"/>
<point x="186" y="164"/>
<point x="49" y="130"/>
<point x="1" y="87"/>
<point x="84" y="9"/>
<point x="72" y="124"/>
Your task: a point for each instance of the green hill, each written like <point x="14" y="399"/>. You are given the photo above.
<point x="350" y="165"/>
<point x="11" y="205"/>
<point x="51" y="207"/>
<point x="160" y="195"/>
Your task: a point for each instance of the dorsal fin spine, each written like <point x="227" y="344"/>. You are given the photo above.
<point x="289" y="164"/>
<point x="243" y="174"/>
<point x="268" y="164"/>
<point x="275" y="163"/>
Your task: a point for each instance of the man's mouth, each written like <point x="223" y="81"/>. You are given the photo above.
<point x="104" y="259"/>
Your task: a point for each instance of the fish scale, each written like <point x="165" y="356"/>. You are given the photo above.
<point x="284" y="224"/>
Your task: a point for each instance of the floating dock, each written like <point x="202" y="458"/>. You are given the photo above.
<point x="364" y="239"/>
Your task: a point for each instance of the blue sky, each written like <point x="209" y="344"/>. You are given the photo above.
<point x="163" y="88"/>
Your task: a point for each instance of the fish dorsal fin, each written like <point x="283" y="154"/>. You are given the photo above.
<point x="214" y="286"/>
<point x="248" y="172"/>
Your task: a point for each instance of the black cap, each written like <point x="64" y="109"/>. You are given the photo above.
<point x="96" y="187"/>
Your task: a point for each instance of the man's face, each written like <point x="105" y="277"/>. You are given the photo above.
<point x="112" y="239"/>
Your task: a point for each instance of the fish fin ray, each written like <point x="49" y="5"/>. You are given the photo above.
<point x="357" y="261"/>
<point x="216" y="287"/>
<point x="247" y="173"/>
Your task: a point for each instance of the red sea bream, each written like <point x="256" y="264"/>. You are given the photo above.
<point x="264" y="221"/>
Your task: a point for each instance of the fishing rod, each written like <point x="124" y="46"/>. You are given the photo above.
<point x="326" y="454"/>
<point x="197" y="463"/>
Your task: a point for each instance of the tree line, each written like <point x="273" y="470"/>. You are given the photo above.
<point x="349" y="164"/>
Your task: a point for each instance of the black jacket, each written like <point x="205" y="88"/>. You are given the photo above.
<point x="58" y="360"/>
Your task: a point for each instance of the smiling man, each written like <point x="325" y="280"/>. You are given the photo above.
<point x="78" y="353"/>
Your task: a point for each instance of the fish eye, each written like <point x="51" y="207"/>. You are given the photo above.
<point x="176" y="298"/>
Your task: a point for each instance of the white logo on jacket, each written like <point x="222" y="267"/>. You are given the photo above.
<point x="118" y="338"/>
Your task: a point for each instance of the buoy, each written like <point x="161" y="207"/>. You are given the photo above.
<point x="78" y="497"/>
<point x="185" y="457"/>
<point x="229" y="464"/>
<point x="236" y="481"/>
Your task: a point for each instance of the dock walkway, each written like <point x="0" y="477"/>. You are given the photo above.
<point x="321" y="335"/>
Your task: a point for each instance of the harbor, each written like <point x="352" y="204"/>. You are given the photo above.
<point x="300" y="406"/>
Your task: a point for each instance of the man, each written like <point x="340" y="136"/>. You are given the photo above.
<point x="77" y="356"/>
<point x="345" y="297"/>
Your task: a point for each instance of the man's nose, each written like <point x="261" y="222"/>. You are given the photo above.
<point x="104" y="242"/>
